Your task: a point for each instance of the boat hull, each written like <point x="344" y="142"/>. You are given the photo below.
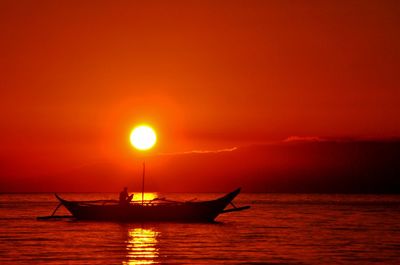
<point x="205" y="211"/>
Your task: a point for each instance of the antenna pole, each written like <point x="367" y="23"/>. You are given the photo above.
<point x="144" y="167"/>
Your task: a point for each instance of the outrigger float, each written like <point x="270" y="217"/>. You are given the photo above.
<point x="157" y="210"/>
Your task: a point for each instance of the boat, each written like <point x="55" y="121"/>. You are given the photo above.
<point x="157" y="210"/>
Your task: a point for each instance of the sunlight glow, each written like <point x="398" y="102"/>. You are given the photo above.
<point x="143" y="137"/>
<point x="148" y="196"/>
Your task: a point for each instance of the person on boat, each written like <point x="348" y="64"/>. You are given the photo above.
<point x="124" y="197"/>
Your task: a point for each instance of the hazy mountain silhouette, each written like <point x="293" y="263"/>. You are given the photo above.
<point x="299" y="166"/>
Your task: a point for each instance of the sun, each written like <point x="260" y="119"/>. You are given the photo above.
<point x="143" y="137"/>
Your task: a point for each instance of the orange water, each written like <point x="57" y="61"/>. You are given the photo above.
<point x="279" y="229"/>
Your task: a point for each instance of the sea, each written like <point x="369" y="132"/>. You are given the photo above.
<point x="277" y="229"/>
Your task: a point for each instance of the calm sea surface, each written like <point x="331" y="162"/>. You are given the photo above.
<point x="278" y="229"/>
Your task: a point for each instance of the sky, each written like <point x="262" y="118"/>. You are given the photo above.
<point x="216" y="77"/>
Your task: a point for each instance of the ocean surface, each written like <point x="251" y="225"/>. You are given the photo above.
<point x="278" y="229"/>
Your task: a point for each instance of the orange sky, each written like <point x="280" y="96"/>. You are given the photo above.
<point x="77" y="75"/>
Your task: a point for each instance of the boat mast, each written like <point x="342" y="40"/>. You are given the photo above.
<point x="144" y="167"/>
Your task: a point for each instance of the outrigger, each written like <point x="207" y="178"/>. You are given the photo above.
<point x="158" y="210"/>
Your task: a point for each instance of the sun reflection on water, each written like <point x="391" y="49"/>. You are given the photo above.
<point x="141" y="246"/>
<point x="147" y="196"/>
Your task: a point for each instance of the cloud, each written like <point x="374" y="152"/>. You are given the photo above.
<point x="303" y="139"/>
<point x="203" y="151"/>
<point x="341" y="139"/>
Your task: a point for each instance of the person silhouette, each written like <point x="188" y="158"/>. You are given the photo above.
<point x="124" y="197"/>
